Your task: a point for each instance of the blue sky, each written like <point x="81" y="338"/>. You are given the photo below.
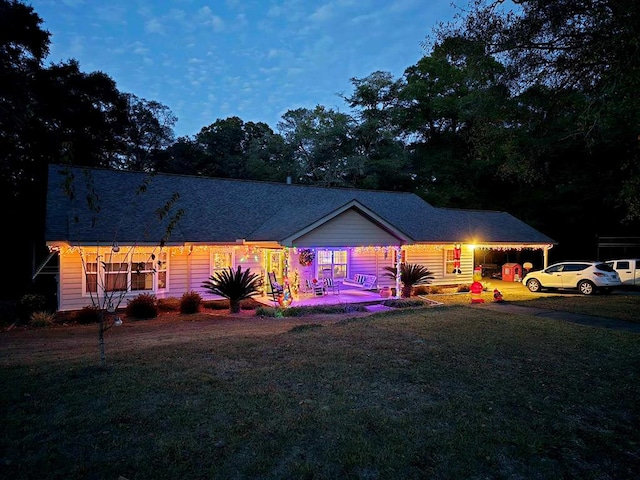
<point x="254" y="59"/>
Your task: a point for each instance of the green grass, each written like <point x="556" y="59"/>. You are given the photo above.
<point x="622" y="307"/>
<point x="619" y="306"/>
<point x="436" y="393"/>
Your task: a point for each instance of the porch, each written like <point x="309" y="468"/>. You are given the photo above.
<point x="345" y="295"/>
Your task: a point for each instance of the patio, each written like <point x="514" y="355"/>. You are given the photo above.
<point x="346" y="295"/>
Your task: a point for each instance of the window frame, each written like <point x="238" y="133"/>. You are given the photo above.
<point x="212" y="254"/>
<point x="322" y="264"/>
<point x="99" y="269"/>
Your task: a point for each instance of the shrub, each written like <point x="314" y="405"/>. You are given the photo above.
<point x="190" y="302"/>
<point x="171" y="304"/>
<point x="435" y="289"/>
<point x="403" y="303"/>
<point x="87" y="315"/>
<point x="41" y="319"/>
<point x="234" y="285"/>
<point x="311" y="310"/>
<point x="463" y="288"/>
<point x="143" y="306"/>
<point x="411" y="275"/>
<point x="30" y="303"/>
<point x="216" y="304"/>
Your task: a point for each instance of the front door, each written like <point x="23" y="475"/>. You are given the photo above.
<point x="274" y="263"/>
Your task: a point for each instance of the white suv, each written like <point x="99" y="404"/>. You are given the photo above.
<point x="587" y="277"/>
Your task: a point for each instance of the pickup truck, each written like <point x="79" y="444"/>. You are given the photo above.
<point x="628" y="269"/>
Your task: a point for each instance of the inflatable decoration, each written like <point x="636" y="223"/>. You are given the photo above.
<point x="497" y="296"/>
<point x="476" y="292"/>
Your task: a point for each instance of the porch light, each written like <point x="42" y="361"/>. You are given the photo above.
<point x="115" y="248"/>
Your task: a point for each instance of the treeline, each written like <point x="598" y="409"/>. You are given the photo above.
<point x="534" y="111"/>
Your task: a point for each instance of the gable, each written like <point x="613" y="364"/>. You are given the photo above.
<point x="349" y="228"/>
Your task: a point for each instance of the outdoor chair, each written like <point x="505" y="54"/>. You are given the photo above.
<point x="332" y="285"/>
<point x="316" y="288"/>
<point x="276" y="288"/>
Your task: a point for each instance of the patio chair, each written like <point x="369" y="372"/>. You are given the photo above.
<point x="317" y="288"/>
<point x="332" y="285"/>
<point x="276" y="288"/>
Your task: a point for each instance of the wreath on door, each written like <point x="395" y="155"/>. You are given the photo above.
<point x="306" y="257"/>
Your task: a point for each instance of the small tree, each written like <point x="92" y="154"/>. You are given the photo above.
<point x="234" y="285"/>
<point x="411" y="275"/>
<point x="107" y="295"/>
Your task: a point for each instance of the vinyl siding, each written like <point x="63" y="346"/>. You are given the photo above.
<point x="347" y="229"/>
<point x="434" y="260"/>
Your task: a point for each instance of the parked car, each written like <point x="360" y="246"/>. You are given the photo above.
<point x="587" y="277"/>
<point x="628" y="269"/>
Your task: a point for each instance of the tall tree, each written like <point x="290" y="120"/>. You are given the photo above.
<point x="148" y="131"/>
<point x="375" y="100"/>
<point x="453" y="102"/>
<point x="322" y="145"/>
<point x="589" y="46"/>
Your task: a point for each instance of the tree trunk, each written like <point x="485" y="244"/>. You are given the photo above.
<point x="103" y="358"/>
<point x="234" y="306"/>
<point x="406" y="291"/>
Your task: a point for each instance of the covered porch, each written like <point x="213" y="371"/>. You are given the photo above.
<point x="345" y="295"/>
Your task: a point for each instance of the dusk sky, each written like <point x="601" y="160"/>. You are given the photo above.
<point x="254" y="59"/>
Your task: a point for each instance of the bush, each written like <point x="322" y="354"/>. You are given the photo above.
<point x="190" y="302"/>
<point x="41" y="319"/>
<point x="30" y="303"/>
<point x="311" y="310"/>
<point x="171" y="304"/>
<point x="463" y="288"/>
<point x="435" y="289"/>
<point x="235" y="285"/>
<point x="142" y="307"/>
<point x="403" y="303"/>
<point x="87" y="315"/>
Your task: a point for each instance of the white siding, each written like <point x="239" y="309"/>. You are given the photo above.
<point x="347" y="229"/>
<point x="434" y="260"/>
<point x="370" y="262"/>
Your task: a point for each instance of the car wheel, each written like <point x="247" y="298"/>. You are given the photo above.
<point x="586" y="287"/>
<point x="533" y="285"/>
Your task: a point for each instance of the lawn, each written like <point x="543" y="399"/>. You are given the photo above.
<point x="439" y="393"/>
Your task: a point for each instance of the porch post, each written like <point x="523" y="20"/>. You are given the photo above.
<point x="545" y="257"/>
<point x="398" y="270"/>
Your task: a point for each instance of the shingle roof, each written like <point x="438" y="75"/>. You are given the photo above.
<point x="225" y="210"/>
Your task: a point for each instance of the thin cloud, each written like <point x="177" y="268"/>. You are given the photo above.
<point x="209" y="19"/>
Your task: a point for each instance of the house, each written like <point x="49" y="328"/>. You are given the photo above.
<point x="166" y="234"/>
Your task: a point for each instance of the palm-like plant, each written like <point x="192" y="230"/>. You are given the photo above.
<point x="411" y="275"/>
<point x="234" y="285"/>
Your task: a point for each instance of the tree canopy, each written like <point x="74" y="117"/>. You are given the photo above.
<point x="528" y="106"/>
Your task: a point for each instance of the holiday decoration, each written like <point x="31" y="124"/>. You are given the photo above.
<point x="306" y="257"/>
<point x="285" y="298"/>
<point x="497" y="296"/>
<point x="456" y="259"/>
<point x="476" y="292"/>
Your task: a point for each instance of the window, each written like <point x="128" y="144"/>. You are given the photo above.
<point x="221" y="261"/>
<point x="450" y="261"/>
<point x="332" y="263"/>
<point x="123" y="273"/>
